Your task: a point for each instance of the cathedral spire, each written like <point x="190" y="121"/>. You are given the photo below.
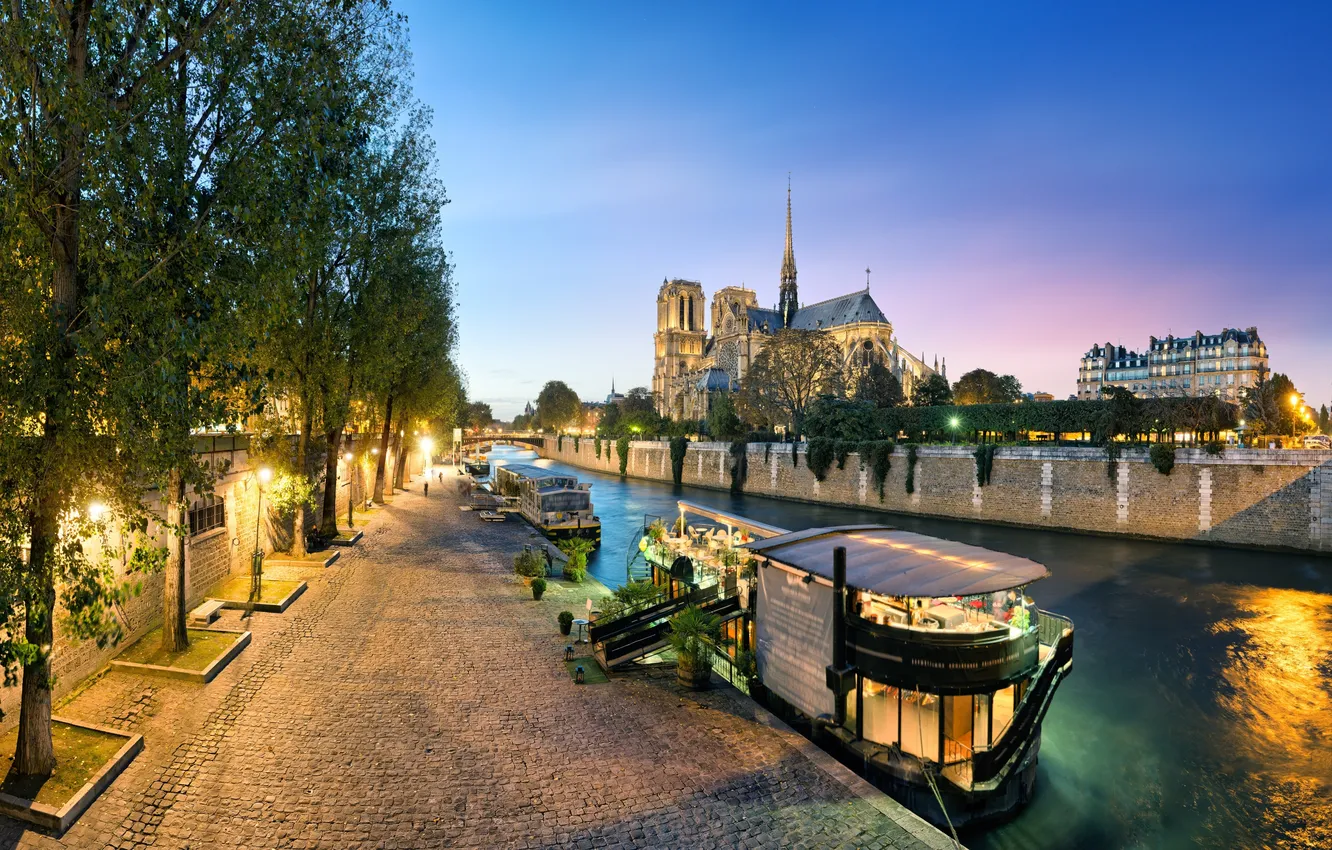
<point x="789" y="299"/>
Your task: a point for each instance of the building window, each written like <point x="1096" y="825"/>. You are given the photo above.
<point x="208" y="513"/>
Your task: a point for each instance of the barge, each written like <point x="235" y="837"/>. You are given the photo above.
<point x="554" y="502"/>
<point x="920" y="663"/>
<point x="477" y="465"/>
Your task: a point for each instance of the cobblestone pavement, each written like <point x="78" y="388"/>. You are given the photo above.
<point x="415" y="697"/>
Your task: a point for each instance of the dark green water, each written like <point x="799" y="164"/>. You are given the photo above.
<point x="1199" y="711"/>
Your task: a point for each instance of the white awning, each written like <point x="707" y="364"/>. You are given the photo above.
<point x="892" y="562"/>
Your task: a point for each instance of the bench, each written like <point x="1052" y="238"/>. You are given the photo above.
<point x="207" y="612"/>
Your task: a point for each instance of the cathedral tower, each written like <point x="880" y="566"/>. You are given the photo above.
<point x="790" y="301"/>
<point x="678" y="343"/>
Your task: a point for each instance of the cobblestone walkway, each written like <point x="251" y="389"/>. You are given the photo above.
<point x="415" y="698"/>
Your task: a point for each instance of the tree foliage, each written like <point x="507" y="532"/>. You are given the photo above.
<point x="723" y="422"/>
<point x="880" y="387"/>
<point x="793" y="369"/>
<point x="557" y="406"/>
<point x="981" y="386"/>
<point x="932" y="392"/>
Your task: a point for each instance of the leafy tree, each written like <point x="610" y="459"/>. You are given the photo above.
<point x="557" y="406"/>
<point x="610" y="420"/>
<point x="479" y="416"/>
<point x="840" y="419"/>
<point x="723" y="423"/>
<point x="932" y="392"/>
<point x="981" y="386"/>
<point x="1324" y="422"/>
<point x="880" y="387"/>
<point x="522" y="422"/>
<point x="793" y="368"/>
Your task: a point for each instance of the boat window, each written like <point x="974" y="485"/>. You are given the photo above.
<point x="959" y="720"/>
<point x="920" y="724"/>
<point x="1004" y="703"/>
<point x="880" y="705"/>
<point x="980" y="727"/>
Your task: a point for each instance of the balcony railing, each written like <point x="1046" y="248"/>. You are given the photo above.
<point x="941" y="662"/>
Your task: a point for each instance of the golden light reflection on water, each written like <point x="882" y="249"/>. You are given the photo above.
<point x="1279" y="705"/>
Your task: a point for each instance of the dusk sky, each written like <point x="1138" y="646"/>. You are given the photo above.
<point x="1024" y="179"/>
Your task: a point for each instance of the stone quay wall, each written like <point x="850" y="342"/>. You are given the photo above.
<point x="1269" y="498"/>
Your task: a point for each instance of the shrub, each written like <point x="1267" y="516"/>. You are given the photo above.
<point x="819" y="456"/>
<point x="1215" y="448"/>
<point x="574" y="574"/>
<point x="538" y="587"/>
<point x="911" y="470"/>
<point x="575" y="439"/>
<point x="597" y="445"/>
<point x="559" y="443"/>
<point x="622" y="447"/>
<point x="1163" y="457"/>
<point x="566" y="619"/>
<point x="843" y="448"/>
<point x="529" y="563"/>
<point x="1112" y="459"/>
<point x="629" y="598"/>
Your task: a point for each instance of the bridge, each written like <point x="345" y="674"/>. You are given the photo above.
<point x="519" y="438"/>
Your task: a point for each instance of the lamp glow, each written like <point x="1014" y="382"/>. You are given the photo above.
<point x="265" y="474"/>
<point x="96" y="511"/>
<point x="347" y="456"/>
<point x="953" y="422"/>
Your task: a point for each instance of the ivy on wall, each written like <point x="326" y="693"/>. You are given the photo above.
<point x="911" y="470"/>
<point x="559" y="443"/>
<point x="622" y="447"/>
<point x="984" y="463"/>
<point x="739" y="465"/>
<point x="1163" y="457"/>
<point x="819" y="456"/>
<point x="597" y="446"/>
<point x="679" y="445"/>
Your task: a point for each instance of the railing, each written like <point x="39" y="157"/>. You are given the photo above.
<point x="938" y="661"/>
<point x="633" y="644"/>
<point x="992" y="764"/>
<point x="628" y="621"/>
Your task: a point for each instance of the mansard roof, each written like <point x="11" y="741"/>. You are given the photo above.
<point x="842" y="310"/>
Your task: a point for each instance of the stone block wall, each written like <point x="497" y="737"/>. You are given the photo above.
<point x="1252" y="497"/>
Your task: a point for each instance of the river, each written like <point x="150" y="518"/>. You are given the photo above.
<point x="1199" y="710"/>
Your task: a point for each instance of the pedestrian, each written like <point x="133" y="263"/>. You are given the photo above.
<point x="427" y="489"/>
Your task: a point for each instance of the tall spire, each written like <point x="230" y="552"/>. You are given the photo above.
<point x="789" y="299"/>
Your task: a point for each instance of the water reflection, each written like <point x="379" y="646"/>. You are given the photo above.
<point x="1199" y="712"/>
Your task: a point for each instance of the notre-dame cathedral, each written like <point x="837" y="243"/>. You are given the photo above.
<point x="693" y="366"/>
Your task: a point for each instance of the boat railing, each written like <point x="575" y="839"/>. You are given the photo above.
<point x="931" y="659"/>
<point x="992" y="765"/>
<point x="1051" y="627"/>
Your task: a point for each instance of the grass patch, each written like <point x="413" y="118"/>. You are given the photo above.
<point x="237" y="589"/>
<point x="205" y="648"/>
<point x="592" y="672"/>
<point x="79" y="752"/>
<point x="307" y="558"/>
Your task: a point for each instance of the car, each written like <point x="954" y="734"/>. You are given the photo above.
<point x="1317" y="441"/>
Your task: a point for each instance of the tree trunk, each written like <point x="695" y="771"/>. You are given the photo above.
<point x="35" y="755"/>
<point x="175" y="638"/>
<point x="302" y="449"/>
<point x="383" y="452"/>
<point x="399" y="454"/>
<point x="328" y="522"/>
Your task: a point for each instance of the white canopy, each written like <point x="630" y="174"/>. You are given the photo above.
<point x="892" y="562"/>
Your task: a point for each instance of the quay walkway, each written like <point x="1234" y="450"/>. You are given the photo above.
<point x="415" y="697"/>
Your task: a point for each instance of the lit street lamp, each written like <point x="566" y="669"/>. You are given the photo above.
<point x="953" y="422"/>
<point x="351" y="488"/>
<point x="265" y="475"/>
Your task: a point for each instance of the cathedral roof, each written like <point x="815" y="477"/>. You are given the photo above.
<point x="759" y="315"/>
<point x="715" y="379"/>
<point x="842" y="310"/>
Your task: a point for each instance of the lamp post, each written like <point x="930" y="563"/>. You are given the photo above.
<point x="265" y="475"/>
<point x="351" y="488"/>
<point x="952" y="426"/>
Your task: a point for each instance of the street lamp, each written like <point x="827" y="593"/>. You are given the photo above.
<point x="351" y="489"/>
<point x="96" y="511"/>
<point x="265" y="475"/>
<point x="952" y="425"/>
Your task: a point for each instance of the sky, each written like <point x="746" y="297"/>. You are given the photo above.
<point x="1023" y="179"/>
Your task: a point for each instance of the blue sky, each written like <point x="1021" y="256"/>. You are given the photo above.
<point x="1024" y="179"/>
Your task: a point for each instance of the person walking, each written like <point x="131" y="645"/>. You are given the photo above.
<point x="427" y="489"/>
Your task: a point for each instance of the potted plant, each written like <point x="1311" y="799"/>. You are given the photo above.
<point x="566" y="619"/>
<point x="746" y="668"/>
<point x="538" y="588"/>
<point x="693" y="636"/>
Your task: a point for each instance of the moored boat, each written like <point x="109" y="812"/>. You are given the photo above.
<point x="554" y="502"/>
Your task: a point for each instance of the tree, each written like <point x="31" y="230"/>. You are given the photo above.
<point x="1273" y="406"/>
<point x="981" y="386"/>
<point x="1324" y="422"/>
<point x="932" y="392"/>
<point x="880" y="387"/>
<point x="638" y="413"/>
<point x="723" y="422"/>
<point x="610" y="420"/>
<point x="793" y="368"/>
<point x="557" y="406"/>
<point x="522" y="422"/>
<point x="843" y="419"/>
<point x="479" y="416"/>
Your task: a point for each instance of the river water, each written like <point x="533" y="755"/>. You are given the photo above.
<point x="1199" y="710"/>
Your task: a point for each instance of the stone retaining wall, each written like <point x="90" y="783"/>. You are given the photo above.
<point x="1252" y="497"/>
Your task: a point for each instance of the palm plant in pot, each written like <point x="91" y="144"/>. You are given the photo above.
<point x="693" y="636"/>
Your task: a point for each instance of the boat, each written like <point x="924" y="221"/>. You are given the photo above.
<point x="491" y="516"/>
<point x="554" y="502"/>
<point x="921" y="663"/>
<point x="478" y="465"/>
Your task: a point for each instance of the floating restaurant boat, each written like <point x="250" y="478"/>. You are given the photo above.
<point x="554" y="502"/>
<point x="919" y="662"/>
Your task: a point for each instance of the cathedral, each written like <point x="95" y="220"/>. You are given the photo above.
<point x="693" y="365"/>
